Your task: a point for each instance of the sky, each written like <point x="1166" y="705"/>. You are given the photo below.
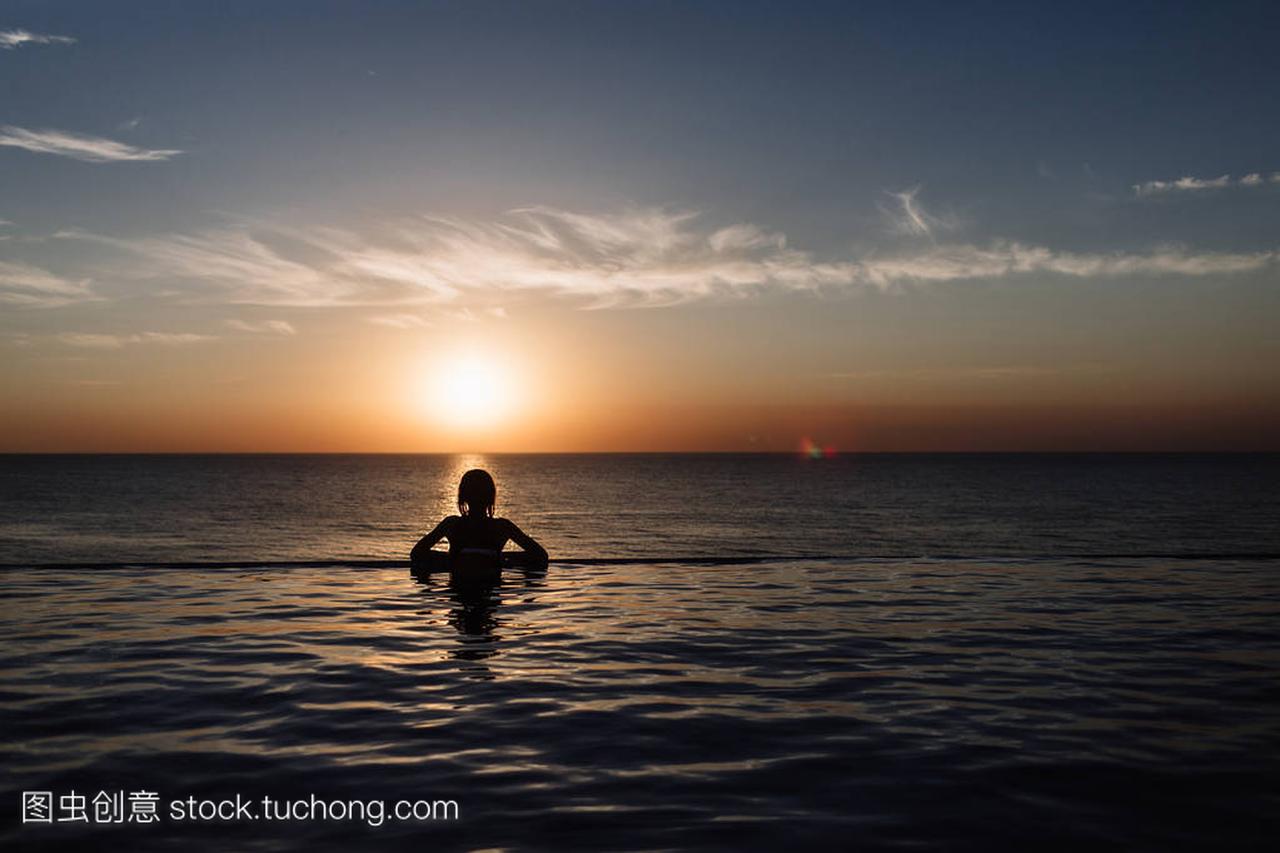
<point x="639" y="226"/>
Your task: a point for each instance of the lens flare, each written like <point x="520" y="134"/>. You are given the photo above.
<point x="810" y="449"/>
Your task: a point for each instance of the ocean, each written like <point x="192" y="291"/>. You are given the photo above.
<point x="926" y="652"/>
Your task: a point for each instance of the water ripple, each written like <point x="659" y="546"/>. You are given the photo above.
<point x="888" y="703"/>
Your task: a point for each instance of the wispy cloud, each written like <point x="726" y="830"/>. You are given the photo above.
<point x="1190" y="184"/>
<point x="264" y="327"/>
<point x="907" y="215"/>
<point x="90" y="149"/>
<point x="33" y="287"/>
<point x="1003" y="259"/>
<point x="400" y="321"/>
<point x="90" y="340"/>
<point x="979" y="373"/>
<point x="9" y="39"/>
<point x="644" y="256"/>
<point x="1257" y="179"/>
<point x="437" y="315"/>
<point x="21" y="340"/>
<point x="244" y="265"/>
<point x="171" y="338"/>
<point x="636" y="257"/>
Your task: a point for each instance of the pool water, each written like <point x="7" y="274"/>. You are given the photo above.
<point x="912" y="704"/>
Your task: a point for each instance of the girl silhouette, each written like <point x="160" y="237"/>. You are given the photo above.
<point x="476" y="538"/>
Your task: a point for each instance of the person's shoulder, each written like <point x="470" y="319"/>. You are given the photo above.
<point x="450" y="520"/>
<point x="506" y="523"/>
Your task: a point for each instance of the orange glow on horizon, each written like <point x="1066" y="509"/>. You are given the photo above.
<point x="559" y="382"/>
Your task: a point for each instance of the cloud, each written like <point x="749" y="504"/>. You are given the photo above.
<point x="1004" y="259"/>
<point x="21" y="340"/>
<point x="9" y="39"/>
<point x="90" y="149"/>
<point x="92" y="341"/>
<point x="171" y="338"/>
<point x="1190" y="184"/>
<point x="1182" y="185"/>
<point x="264" y="327"/>
<point x="33" y="287"/>
<point x="908" y="215"/>
<point x="400" y="321"/>
<point x="645" y="256"/>
<point x="450" y="316"/>
<point x="633" y="258"/>
<point x="97" y="341"/>
<point x="993" y="373"/>
<point x="243" y="266"/>
<point x="911" y="218"/>
<point x="745" y="237"/>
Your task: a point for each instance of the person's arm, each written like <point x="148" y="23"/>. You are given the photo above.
<point x="537" y="554"/>
<point x="426" y="543"/>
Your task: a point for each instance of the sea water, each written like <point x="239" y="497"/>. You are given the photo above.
<point x="938" y="652"/>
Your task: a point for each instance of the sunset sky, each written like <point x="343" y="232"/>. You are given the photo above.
<point x="540" y="226"/>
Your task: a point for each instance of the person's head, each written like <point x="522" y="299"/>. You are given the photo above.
<point x="477" y="493"/>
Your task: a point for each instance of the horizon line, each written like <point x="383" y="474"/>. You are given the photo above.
<point x="795" y="453"/>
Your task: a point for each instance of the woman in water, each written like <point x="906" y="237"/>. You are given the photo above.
<point x="476" y="538"/>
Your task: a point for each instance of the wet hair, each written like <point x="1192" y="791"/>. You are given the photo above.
<point x="477" y="493"/>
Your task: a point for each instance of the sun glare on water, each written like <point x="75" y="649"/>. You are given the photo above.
<point x="470" y="390"/>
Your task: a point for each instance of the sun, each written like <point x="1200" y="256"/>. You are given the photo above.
<point x="470" y="390"/>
